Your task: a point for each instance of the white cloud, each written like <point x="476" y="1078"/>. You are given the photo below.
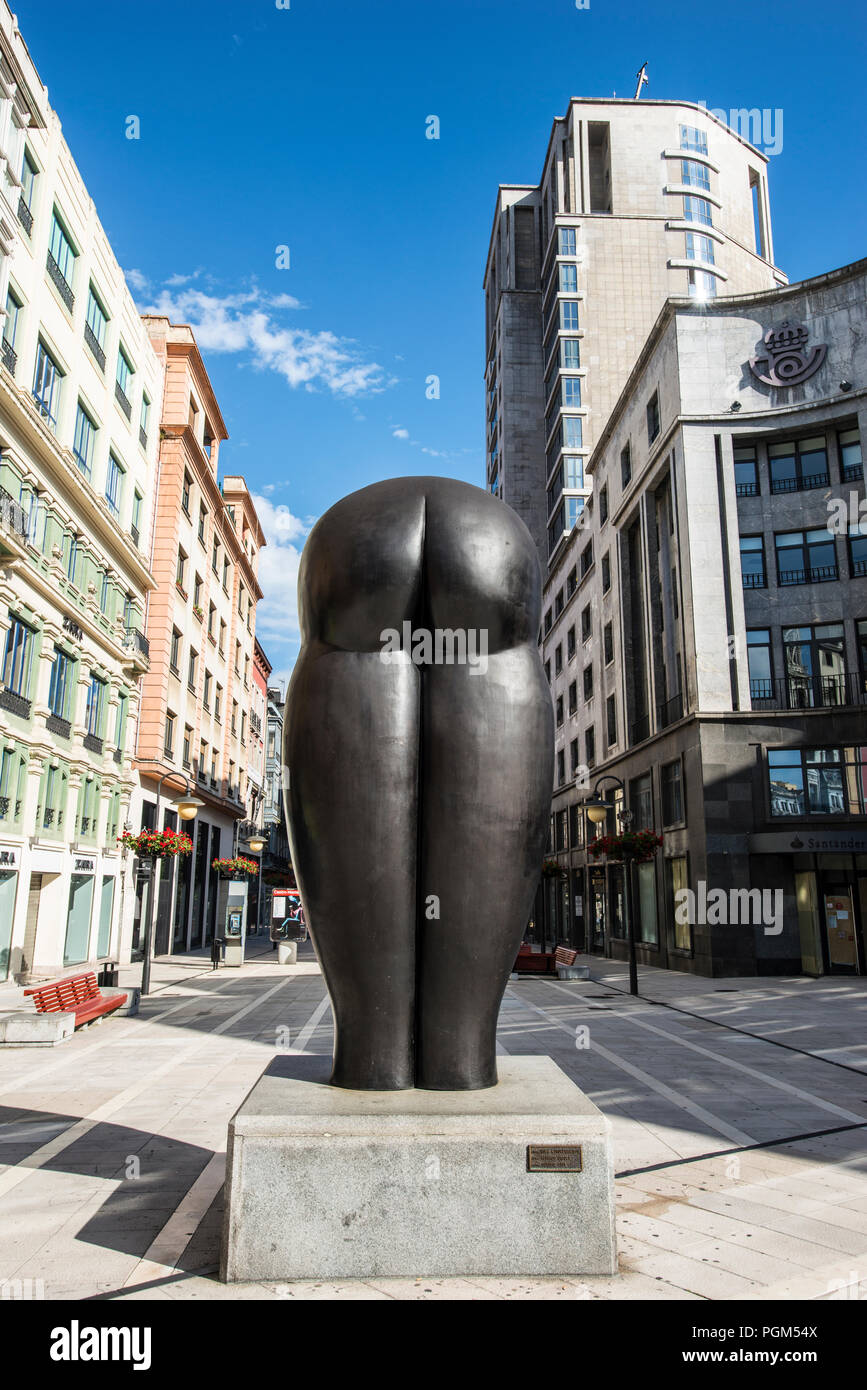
<point x="277" y="624"/>
<point x="243" y="322"/>
<point x="136" y="280"/>
<point x="401" y="434"/>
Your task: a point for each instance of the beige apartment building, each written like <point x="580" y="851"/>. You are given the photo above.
<point x="195" y="719"/>
<point x="80" y="391"/>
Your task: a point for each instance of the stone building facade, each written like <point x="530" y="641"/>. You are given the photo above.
<point x="711" y="655"/>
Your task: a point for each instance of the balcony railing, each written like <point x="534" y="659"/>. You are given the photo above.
<point x="60" y="280"/>
<point x="93" y="343"/>
<point x="118" y="755"/>
<point x="853" y="472"/>
<point x="669" y="712"/>
<point x="10" y="356"/>
<point x="755" y="581"/>
<point x="817" y="574"/>
<point x="56" y="725"/>
<point x="133" y="531"/>
<point x="93" y="742"/>
<point x="806" y="483"/>
<point x="746" y="489"/>
<point x="137" y="642"/>
<point x="143" y="436"/>
<point x="810" y="692"/>
<point x="12" y="514"/>
<point x="14" y="703"/>
<point x="122" y="400"/>
<point x="5" y="803"/>
<point x="25" y="216"/>
<point x="859" y="568"/>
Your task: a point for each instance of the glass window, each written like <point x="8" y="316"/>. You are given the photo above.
<point x="699" y="248"/>
<point x="18" y="657"/>
<point x="625" y="465"/>
<point x="672" y="793"/>
<point x="646" y="926"/>
<point x="851" y="464"/>
<point x="817" y="781"/>
<point x="61" y="249"/>
<point x="570" y="353"/>
<point x="611" y="719"/>
<point x="174" y="657"/>
<point x="606" y="572"/>
<point x="572" y="391"/>
<point x="652" y="417"/>
<point x="857" y="551"/>
<point x="590" y="747"/>
<point x="569" y="315"/>
<point x="588" y="681"/>
<point x="61" y="673"/>
<point x="603" y="505"/>
<point x="567" y="241"/>
<point x="679" y="915"/>
<point x="145" y="414"/>
<point x="95" y="702"/>
<point x="113" y="484"/>
<point x="691" y="138"/>
<point x="697" y="210"/>
<point x="124" y="372"/>
<point x="28" y="179"/>
<point x="608" y="643"/>
<point x="694" y="175"/>
<point x="568" y="279"/>
<point x="760" y="664"/>
<point x="169" y="738"/>
<point x="701" y="284"/>
<point x="10" y="323"/>
<point x="805" y="557"/>
<point x="97" y="318"/>
<point x="573" y="472"/>
<point x="84" y="439"/>
<point x="46" y="384"/>
<point x="746" y="472"/>
<point x="815" y="665"/>
<point x="571" y="436"/>
<point x="798" y="465"/>
<point x="753" y="562"/>
<point x="641" y="802"/>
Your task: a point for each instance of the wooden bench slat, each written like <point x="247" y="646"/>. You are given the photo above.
<point x="76" y="994"/>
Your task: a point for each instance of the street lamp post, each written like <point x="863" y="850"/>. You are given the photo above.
<point x="256" y="845"/>
<point x="597" y="809"/>
<point x="186" y="807"/>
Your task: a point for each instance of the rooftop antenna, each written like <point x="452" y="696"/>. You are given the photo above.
<point x="642" y="78"/>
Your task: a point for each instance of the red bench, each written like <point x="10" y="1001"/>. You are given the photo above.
<point x="76" y="994"/>
<point x="530" y="962"/>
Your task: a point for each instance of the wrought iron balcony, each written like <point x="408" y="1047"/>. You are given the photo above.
<point x="12" y="514"/>
<point x="817" y="574"/>
<point x="122" y="400"/>
<point x="143" y="436"/>
<point x="93" y="742"/>
<point x="55" y="725"/>
<point x="845" y="688"/>
<point x="859" y="568"/>
<point x="10" y="356"/>
<point x="48" y="818"/>
<point x="14" y="703"/>
<point x="853" y="472"/>
<point x="133" y="531"/>
<point x="746" y="489"/>
<point x="60" y="280"/>
<point x="641" y="729"/>
<point x="85" y="824"/>
<point x="118" y="755"/>
<point x="755" y="581"/>
<point x="5" y="803"/>
<point x="93" y="343"/>
<point x="25" y="216"/>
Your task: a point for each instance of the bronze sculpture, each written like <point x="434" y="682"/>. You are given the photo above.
<point x="419" y="743"/>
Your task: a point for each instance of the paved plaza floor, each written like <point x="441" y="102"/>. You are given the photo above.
<point x="739" y="1110"/>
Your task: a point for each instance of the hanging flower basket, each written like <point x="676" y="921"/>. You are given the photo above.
<point x="239" y="867"/>
<point x="552" y="869"/>
<point x="638" y="846"/>
<point x="161" y="844"/>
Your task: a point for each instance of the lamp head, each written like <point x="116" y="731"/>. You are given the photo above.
<point x="187" y="806"/>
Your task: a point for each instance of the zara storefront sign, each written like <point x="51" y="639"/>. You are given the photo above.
<point x="811" y="842"/>
<point x="9" y="857"/>
<point x="787" y="361"/>
<point x="84" y="866"/>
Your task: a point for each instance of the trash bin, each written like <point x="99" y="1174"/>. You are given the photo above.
<point x="218" y="951"/>
<point x="107" y="976"/>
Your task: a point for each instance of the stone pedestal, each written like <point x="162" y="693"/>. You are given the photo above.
<point x="323" y="1183"/>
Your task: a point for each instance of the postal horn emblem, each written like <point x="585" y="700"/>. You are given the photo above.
<point x="787" y="361"/>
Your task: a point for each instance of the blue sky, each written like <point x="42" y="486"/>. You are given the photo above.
<point x="305" y="127"/>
